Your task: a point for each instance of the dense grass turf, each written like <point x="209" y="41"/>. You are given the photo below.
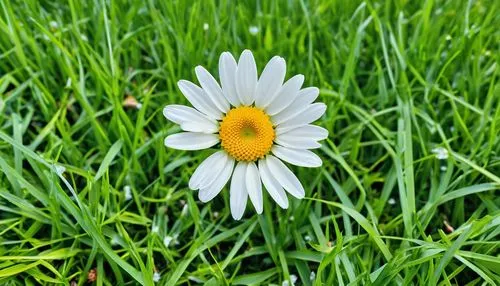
<point x="400" y="79"/>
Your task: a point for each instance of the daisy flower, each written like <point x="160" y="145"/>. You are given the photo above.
<point x="256" y="122"/>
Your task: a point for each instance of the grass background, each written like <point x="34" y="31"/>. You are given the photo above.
<point x="400" y="78"/>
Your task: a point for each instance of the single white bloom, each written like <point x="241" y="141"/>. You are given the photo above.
<point x="312" y="276"/>
<point x="256" y="123"/>
<point x="115" y="239"/>
<point x="53" y="25"/>
<point x="443" y="168"/>
<point x="391" y="201"/>
<point x="254" y="30"/>
<point x="155" y="228"/>
<point x="128" y="192"/>
<point x="441" y="153"/>
<point x="293" y="278"/>
<point x="156" y="277"/>
<point x="167" y="240"/>
<point x="206" y="26"/>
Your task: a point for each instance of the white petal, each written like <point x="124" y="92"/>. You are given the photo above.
<point x="270" y="81"/>
<point x="305" y="97"/>
<point x="204" y="169"/>
<point x="303" y="137"/>
<point x="312" y="113"/>
<point x="212" y="88"/>
<point x="199" y="127"/>
<point x="190" y="119"/>
<point x="297" y="142"/>
<point x="273" y="187"/>
<point x="199" y="99"/>
<point x="286" y="95"/>
<point x="298" y="157"/>
<point x="227" y="73"/>
<point x="285" y="177"/>
<point x="191" y="141"/>
<point x="208" y="193"/>
<point x="213" y="172"/>
<point x="310" y="131"/>
<point x="238" y="194"/>
<point x="254" y="187"/>
<point x="246" y="78"/>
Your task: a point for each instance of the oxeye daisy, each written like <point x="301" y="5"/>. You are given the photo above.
<point x="256" y="122"/>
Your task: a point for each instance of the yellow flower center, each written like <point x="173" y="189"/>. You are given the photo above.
<point x="246" y="133"/>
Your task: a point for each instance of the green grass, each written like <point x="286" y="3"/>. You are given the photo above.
<point x="400" y="78"/>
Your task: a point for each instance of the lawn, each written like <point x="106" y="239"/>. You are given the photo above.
<point x="408" y="192"/>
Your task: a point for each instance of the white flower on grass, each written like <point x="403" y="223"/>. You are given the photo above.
<point x="128" y="192"/>
<point x="312" y="276"/>
<point x="257" y="122"/>
<point x="441" y="153"/>
<point x="254" y="30"/>
<point x="156" y="277"/>
<point x="167" y="240"/>
<point x="293" y="279"/>
<point x="53" y="25"/>
<point x="206" y="26"/>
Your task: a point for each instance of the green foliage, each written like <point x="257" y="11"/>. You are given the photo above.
<point x="400" y="78"/>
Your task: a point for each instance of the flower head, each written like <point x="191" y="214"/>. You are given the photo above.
<point x="257" y="122"/>
<point x="254" y="30"/>
<point x="441" y="153"/>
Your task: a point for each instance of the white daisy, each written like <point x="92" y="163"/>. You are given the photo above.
<point x="257" y="121"/>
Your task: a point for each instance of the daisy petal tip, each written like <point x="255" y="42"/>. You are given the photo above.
<point x="165" y="111"/>
<point x="166" y="142"/>
<point x="225" y="56"/>
<point x="192" y="185"/>
<point x="203" y="196"/>
<point x="314" y="90"/>
<point x="237" y="212"/>
<point x="237" y="216"/>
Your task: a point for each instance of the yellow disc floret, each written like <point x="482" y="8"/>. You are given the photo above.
<point x="246" y="133"/>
